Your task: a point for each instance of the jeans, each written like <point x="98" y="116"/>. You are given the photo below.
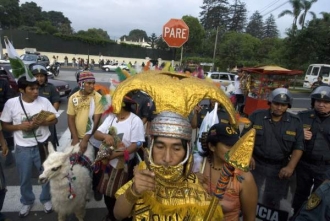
<point x="26" y="157"/>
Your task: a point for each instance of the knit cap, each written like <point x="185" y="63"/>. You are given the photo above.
<point x="86" y="76"/>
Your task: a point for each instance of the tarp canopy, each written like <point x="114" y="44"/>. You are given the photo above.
<point x="271" y="69"/>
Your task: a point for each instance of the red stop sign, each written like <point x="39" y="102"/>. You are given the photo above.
<point x="175" y="33"/>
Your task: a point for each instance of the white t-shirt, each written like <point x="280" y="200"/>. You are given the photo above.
<point x="13" y="112"/>
<point x="238" y="89"/>
<point x="130" y="130"/>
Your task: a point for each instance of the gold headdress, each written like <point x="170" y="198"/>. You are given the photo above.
<point x="172" y="92"/>
<point x="175" y="95"/>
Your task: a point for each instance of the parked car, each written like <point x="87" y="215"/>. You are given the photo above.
<point x="224" y="78"/>
<point x="4" y="61"/>
<point x="62" y="87"/>
<point x="113" y="67"/>
<point x="30" y="58"/>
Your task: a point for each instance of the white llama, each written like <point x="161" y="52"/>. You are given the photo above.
<point x="70" y="184"/>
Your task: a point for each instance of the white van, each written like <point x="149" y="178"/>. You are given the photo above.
<point x="224" y="78"/>
<point x="314" y="71"/>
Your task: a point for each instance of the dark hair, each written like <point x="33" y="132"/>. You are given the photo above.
<point x="128" y="107"/>
<point x="187" y="69"/>
<point x="23" y="83"/>
<point x="213" y="140"/>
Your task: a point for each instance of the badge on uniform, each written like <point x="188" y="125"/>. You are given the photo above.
<point x="313" y="201"/>
<point x="292" y="133"/>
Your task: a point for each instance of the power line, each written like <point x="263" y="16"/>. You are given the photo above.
<point x="275" y="9"/>
<point x="268" y="6"/>
<point x="274" y="3"/>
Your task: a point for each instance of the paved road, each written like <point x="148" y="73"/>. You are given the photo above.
<point x="95" y="210"/>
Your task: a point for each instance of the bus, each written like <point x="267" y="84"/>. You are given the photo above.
<point x="314" y="71"/>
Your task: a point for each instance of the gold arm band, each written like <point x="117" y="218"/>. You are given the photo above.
<point x="131" y="196"/>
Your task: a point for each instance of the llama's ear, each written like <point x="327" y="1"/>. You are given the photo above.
<point x="50" y="148"/>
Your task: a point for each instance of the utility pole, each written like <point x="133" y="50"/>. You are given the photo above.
<point x="215" y="47"/>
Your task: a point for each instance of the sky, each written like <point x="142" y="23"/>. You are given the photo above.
<point x="119" y="17"/>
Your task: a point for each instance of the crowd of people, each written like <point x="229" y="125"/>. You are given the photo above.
<point x="290" y="154"/>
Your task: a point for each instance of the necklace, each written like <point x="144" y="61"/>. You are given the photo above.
<point x="215" y="168"/>
<point x="212" y="166"/>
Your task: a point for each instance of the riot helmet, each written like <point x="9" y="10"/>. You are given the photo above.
<point x="38" y="69"/>
<point x="281" y="96"/>
<point x="321" y="93"/>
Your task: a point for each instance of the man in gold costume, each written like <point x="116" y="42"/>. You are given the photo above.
<point x="163" y="187"/>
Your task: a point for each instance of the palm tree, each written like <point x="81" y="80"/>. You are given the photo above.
<point x="306" y="5"/>
<point x="296" y="9"/>
<point x="326" y="16"/>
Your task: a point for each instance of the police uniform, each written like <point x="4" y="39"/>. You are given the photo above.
<point x="222" y="115"/>
<point x="4" y="93"/>
<point x="274" y="143"/>
<point x="318" y="205"/>
<point x="312" y="167"/>
<point x="49" y="91"/>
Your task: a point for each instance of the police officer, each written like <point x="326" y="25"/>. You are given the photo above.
<point x="5" y="93"/>
<point x="198" y="114"/>
<point x="317" y="207"/>
<point x="48" y="91"/>
<point x="315" y="161"/>
<point x="277" y="150"/>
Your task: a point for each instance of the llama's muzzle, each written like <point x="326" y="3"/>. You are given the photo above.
<point x="42" y="180"/>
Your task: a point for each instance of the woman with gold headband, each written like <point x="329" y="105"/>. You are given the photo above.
<point x="163" y="187"/>
<point x="241" y="191"/>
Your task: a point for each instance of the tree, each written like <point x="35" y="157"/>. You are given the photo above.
<point x="296" y="10"/>
<point x="9" y="13"/>
<point x="30" y="14"/>
<point x="270" y="51"/>
<point x="306" y="5"/>
<point x="326" y="16"/>
<point x="255" y="25"/>
<point x="310" y="45"/>
<point x="57" y="19"/>
<point x="46" y="27"/>
<point x="270" y="28"/>
<point x="94" y="33"/>
<point x="238" y="16"/>
<point x="196" y="34"/>
<point x="136" y="35"/>
<point x="215" y="13"/>
<point x="237" y="48"/>
<point x="152" y="40"/>
<point x="161" y="44"/>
